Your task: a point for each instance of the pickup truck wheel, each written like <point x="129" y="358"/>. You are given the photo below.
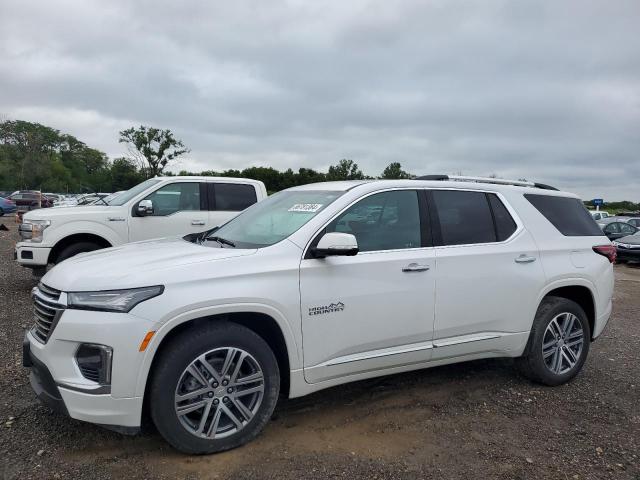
<point x="75" y="249"/>
<point x="214" y="388"/>
<point x="558" y="344"/>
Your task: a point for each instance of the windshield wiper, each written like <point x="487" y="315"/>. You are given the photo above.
<point x="222" y="241"/>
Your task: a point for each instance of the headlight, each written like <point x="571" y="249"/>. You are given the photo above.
<point x="614" y="243"/>
<point x="32" y="230"/>
<point x="112" y="300"/>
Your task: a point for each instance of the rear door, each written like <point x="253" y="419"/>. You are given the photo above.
<point x="179" y="208"/>
<point x="226" y="200"/>
<point x="488" y="273"/>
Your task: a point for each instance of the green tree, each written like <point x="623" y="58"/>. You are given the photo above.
<point x="345" y="170"/>
<point x="394" y="171"/>
<point x="153" y="147"/>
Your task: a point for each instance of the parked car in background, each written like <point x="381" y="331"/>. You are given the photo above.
<point x="158" y="207"/>
<point x="628" y="248"/>
<point x="598" y="214"/>
<point x="635" y="221"/>
<point x="617" y="229"/>
<point x="316" y="286"/>
<point x="7" y="206"/>
<point x="27" y="200"/>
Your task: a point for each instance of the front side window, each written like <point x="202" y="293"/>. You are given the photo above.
<point x="383" y="221"/>
<point x="465" y="217"/>
<point x="175" y="197"/>
<point x="612" y="228"/>
<point x="274" y="219"/>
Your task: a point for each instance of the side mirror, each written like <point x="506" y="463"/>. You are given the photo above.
<point x="335" y="243"/>
<point x="145" y="207"/>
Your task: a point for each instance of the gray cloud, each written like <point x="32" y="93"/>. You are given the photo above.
<point x="544" y="90"/>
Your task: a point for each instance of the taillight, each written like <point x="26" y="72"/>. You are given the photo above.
<point x="608" y="251"/>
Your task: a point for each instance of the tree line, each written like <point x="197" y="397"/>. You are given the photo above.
<point x="38" y="157"/>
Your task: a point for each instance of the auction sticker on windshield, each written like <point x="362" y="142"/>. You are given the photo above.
<point x="305" y="207"/>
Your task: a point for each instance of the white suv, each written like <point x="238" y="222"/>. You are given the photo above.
<point x="316" y="286"/>
<point x="159" y="207"/>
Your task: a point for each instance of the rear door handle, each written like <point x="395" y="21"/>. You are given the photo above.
<point x="197" y="222"/>
<point x="525" y="259"/>
<point x="415" y="267"/>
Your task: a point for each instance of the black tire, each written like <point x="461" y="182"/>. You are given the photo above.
<point x="1" y="212"/>
<point x="178" y="355"/>
<point x="75" y="249"/>
<point x="532" y="363"/>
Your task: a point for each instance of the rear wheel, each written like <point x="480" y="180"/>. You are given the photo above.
<point x="76" y="248"/>
<point x="558" y="344"/>
<point x="214" y="388"/>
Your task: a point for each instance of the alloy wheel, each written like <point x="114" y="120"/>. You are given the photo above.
<point x="219" y="393"/>
<point x="562" y="343"/>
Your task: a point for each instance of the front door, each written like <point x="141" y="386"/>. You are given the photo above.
<point x="372" y="311"/>
<point x="178" y="209"/>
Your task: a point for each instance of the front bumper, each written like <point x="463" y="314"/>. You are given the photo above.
<point x="56" y="378"/>
<point x="31" y="254"/>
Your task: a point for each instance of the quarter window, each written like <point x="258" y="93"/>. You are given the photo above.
<point x="383" y="221"/>
<point x="465" y="217"/>
<point x="568" y="215"/>
<point x="232" y="197"/>
<point x="175" y="197"/>
<point x="505" y="225"/>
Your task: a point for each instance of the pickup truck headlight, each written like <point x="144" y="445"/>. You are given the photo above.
<point x="32" y="230"/>
<point x="112" y="300"/>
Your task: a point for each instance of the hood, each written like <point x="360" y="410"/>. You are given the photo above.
<point x="629" y="239"/>
<point x="133" y="265"/>
<point x="89" y="211"/>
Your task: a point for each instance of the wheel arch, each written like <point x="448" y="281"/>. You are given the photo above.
<point x="76" y="238"/>
<point x="259" y="320"/>
<point x="581" y="293"/>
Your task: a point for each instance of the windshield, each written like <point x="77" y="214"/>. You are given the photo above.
<point x="124" y="197"/>
<point x="275" y="218"/>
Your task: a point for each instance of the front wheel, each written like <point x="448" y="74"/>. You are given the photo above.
<point x="558" y="344"/>
<point x="214" y="388"/>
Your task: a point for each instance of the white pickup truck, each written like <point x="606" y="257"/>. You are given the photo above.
<point x="158" y="207"/>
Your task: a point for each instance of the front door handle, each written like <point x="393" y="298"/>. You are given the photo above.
<point x="415" y="267"/>
<point x="197" y="222"/>
<point x="525" y="259"/>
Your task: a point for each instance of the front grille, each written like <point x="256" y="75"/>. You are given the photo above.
<point x="47" y="311"/>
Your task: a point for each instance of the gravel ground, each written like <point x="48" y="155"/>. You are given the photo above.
<point x="472" y="420"/>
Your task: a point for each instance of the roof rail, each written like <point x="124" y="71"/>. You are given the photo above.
<point x="498" y="181"/>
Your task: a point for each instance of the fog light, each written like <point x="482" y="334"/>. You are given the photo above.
<point x="94" y="362"/>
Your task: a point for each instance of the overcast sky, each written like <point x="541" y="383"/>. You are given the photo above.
<point x="549" y="91"/>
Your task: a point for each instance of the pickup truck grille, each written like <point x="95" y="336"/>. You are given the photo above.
<point x="47" y="311"/>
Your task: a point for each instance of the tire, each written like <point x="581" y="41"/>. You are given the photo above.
<point x="560" y="362"/>
<point x="172" y="376"/>
<point x="75" y="249"/>
<point x="1" y="212"/>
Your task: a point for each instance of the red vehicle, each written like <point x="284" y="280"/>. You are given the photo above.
<point x="27" y="200"/>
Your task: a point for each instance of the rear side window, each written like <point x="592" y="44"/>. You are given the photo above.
<point x="505" y="225"/>
<point x="232" y="196"/>
<point x="568" y="215"/>
<point x="465" y="217"/>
